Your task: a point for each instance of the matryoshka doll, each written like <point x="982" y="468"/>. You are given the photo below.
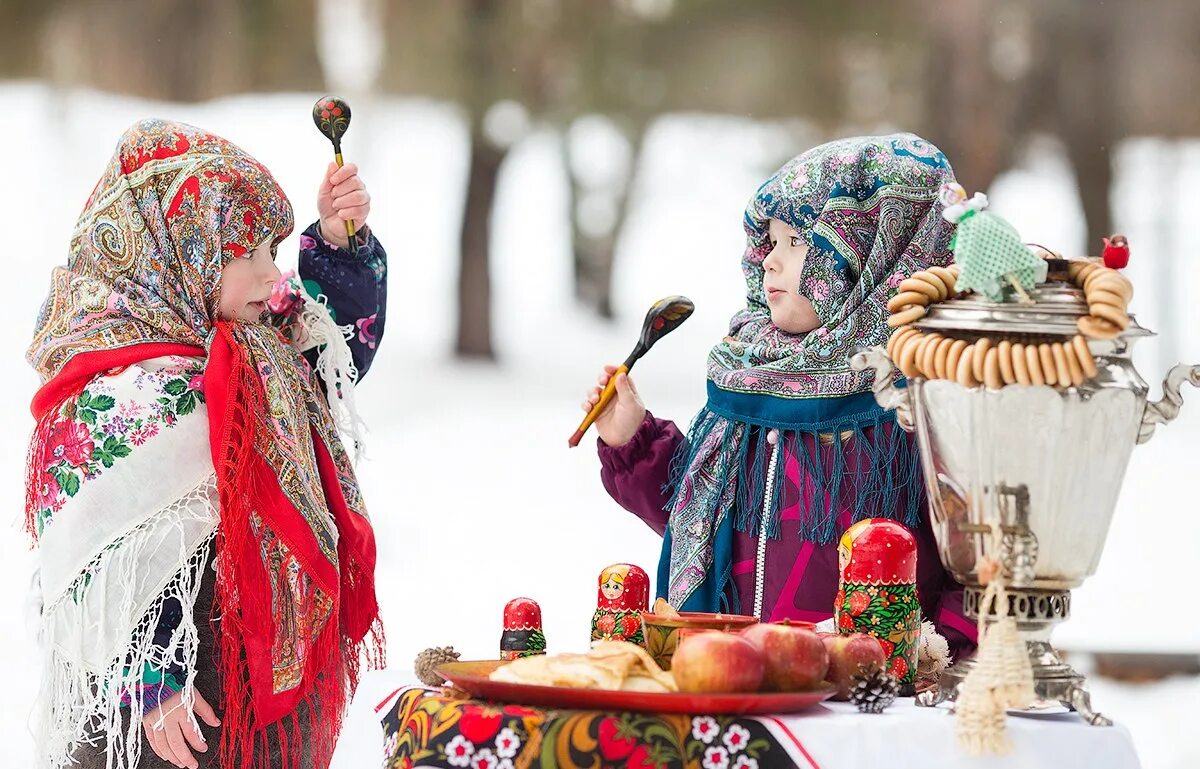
<point x="624" y="594"/>
<point x="877" y="591"/>
<point x="522" y="635"/>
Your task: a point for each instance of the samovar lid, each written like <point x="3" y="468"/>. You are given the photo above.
<point x="1057" y="307"/>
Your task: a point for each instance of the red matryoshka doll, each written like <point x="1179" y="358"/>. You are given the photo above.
<point x="877" y="591"/>
<point x="624" y="594"/>
<point x="522" y="635"/>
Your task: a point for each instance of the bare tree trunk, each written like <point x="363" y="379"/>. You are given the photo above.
<point x="595" y="254"/>
<point x="1084" y="41"/>
<point x="1090" y="153"/>
<point x="603" y="258"/>
<point x="606" y="267"/>
<point x="593" y="270"/>
<point x="474" y="339"/>
<point x="474" y="276"/>
<point x="968" y="113"/>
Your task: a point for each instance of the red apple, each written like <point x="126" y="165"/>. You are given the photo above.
<point x="713" y="661"/>
<point x="794" y="656"/>
<point x="847" y="653"/>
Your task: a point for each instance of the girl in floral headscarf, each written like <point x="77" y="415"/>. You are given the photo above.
<point x="791" y="448"/>
<point x="187" y="464"/>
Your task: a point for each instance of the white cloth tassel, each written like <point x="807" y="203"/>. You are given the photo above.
<point x="335" y="366"/>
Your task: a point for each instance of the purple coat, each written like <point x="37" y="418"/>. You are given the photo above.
<point x="801" y="578"/>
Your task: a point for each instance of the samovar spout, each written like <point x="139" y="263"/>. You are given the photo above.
<point x="1165" y="409"/>
<point x="887" y="394"/>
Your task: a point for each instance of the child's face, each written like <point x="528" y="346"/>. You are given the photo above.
<point x="246" y="284"/>
<point x="790" y="310"/>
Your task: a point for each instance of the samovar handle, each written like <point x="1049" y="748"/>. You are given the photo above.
<point x="887" y="394"/>
<point x="1162" y="411"/>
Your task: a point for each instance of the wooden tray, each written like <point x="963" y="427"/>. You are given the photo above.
<point x="472" y="677"/>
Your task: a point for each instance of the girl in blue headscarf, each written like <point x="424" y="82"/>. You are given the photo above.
<point x="791" y="448"/>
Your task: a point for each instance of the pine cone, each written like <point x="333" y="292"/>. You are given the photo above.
<point x="430" y="660"/>
<point x="873" y="690"/>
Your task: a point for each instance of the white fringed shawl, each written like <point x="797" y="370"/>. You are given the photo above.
<point x="111" y="557"/>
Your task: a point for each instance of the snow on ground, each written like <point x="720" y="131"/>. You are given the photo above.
<point x="474" y="495"/>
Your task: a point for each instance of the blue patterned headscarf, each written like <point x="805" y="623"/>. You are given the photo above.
<point x="866" y="208"/>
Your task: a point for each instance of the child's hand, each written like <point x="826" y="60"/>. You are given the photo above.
<point x="169" y="733"/>
<point x="620" y="420"/>
<point x="342" y="197"/>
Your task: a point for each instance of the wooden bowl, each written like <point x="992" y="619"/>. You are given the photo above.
<point x="662" y="633"/>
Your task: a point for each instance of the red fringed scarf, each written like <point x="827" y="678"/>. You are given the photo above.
<point x="235" y="395"/>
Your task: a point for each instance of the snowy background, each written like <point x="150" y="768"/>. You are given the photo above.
<point x="474" y="495"/>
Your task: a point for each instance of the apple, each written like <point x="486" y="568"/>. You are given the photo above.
<point x="847" y="653"/>
<point x="713" y="661"/>
<point x="794" y="656"/>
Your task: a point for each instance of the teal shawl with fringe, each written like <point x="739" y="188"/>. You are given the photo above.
<point x="867" y="210"/>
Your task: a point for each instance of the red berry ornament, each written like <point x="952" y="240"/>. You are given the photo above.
<point x="1116" y="252"/>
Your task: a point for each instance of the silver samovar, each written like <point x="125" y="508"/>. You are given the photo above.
<point x="997" y="456"/>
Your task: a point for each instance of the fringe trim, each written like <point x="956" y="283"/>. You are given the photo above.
<point x="884" y="468"/>
<point x="334" y="660"/>
<point x="237" y="436"/>
<point x="79" y="706"/>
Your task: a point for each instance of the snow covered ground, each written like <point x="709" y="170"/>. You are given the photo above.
<point x="472" y="490"/>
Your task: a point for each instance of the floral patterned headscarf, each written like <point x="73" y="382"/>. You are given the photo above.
<point x="866" y="209"/>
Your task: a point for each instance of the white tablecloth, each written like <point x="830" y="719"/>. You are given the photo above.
<point x="834" y="735"/>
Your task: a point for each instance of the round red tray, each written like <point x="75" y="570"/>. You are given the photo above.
<point x="472" y="678"/>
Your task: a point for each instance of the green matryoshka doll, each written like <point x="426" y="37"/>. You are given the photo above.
<point x="877" y="592"/>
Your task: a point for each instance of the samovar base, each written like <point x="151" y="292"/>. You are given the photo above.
<point x="1053" y="680"/>
<point x="1036" y="612"/>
